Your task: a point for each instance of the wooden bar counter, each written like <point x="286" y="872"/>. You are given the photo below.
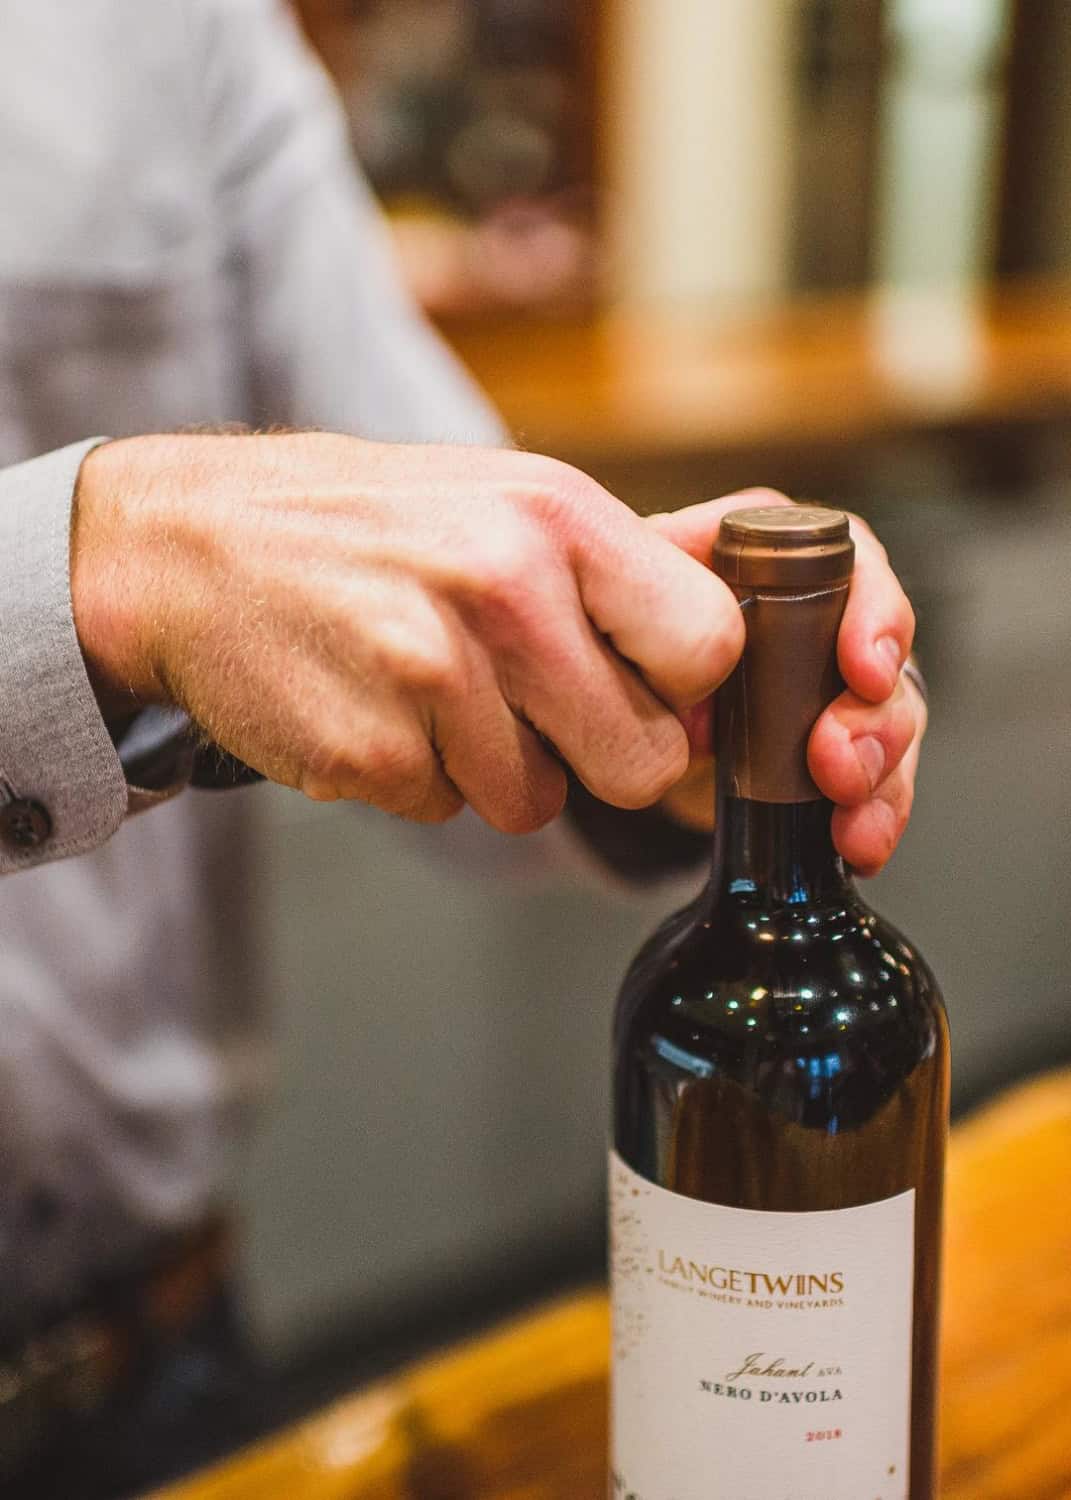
<point x="824" y="371"/>
<point x="520" y="1414"/>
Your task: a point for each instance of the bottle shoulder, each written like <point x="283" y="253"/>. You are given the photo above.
<point x="731" y="989"/>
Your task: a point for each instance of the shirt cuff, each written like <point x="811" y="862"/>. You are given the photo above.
<point x="62" y="788"/>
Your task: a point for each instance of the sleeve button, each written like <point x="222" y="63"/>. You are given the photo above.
<point x="24" y="824"/>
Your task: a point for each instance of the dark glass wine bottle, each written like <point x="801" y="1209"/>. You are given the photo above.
<point x="780" y="1114"/>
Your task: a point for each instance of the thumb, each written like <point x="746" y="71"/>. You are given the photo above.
<point x="695" y="528"/>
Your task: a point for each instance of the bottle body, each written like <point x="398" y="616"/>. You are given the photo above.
<point x="780" y="1118"/>
<point x="780" y="1112"/>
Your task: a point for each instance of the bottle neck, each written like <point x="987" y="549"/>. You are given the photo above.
<point x="773" y="838"/>
<point x="773" y="835"/>
<point x="775" y="852"/>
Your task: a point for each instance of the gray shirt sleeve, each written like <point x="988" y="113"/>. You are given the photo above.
<point x="55" y="750"/>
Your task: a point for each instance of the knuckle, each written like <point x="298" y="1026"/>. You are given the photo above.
<point x="327" y="768"/>
<point x="502" y="572"/>
<point x="520" y="789"/>
<point x="432" y="671"/>
<point x="396" y="766"/>
<point x="652" y="775"/>
<point x="539" y="805"/>
<point x="556" y="483"/>
<point x="439" y="806"/>
<point x="391" y="770"/>
<point x="563" y="499"/>
<point x="716" y="652"/>
<point x="500" y="575"/>
<point x="710" y="656"/>
<point x="418" y="656"/>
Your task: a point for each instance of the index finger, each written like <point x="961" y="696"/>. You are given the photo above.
<point x="694" y="528"/>
<point x="661" y="608"/>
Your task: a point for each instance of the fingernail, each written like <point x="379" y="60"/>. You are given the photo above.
<point x="888" y="648"/>
<point x="871" y="753"/>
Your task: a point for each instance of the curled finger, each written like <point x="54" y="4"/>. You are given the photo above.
<point x="856" y="745"/>
<point x="867" y="834"/>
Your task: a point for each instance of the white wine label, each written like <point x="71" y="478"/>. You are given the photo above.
<point x="758" y="1356"/>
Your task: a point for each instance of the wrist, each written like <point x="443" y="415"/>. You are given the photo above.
<point x="110" y="597"/>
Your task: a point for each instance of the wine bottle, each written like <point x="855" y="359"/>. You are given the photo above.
<point x="780" y="1113"/>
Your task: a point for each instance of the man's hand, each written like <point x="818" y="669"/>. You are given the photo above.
<point x="409" y="626"/>
<point x="864" y="750"/>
